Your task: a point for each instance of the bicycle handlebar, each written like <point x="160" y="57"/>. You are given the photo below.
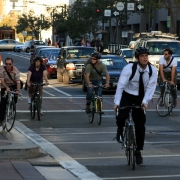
<point x="132" y="106"/>
<point x="99" y="86"/>
<point x="12" y="92"/>
<point x="38" y="84"/>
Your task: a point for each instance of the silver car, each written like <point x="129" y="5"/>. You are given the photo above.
<point x="8" y="44"/>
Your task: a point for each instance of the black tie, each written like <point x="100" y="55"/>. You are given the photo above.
<point x="141" y="85"/>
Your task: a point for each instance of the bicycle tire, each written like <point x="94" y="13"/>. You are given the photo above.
<point x="132" y="147"/>
<point x="38" y="108"/>
<point x="126" y="144"/>
<point x="10" y="116"/>
<point x="91" y="115"/>
<point x="99" y="111"/>
<point x="165" y="108"/>
<point x="32" y="108"/>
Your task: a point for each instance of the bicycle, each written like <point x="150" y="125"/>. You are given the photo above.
<point x="129" y="137"/>
<point x="36" y="100"/>
<point x="96" y="105"/>
<point x="10" y="115"/>
<point x="164" y="104"/>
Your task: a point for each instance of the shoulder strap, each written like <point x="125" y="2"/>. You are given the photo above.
<point x="169" y="63"/>
<point x="134" y="67"/>
<point x="8" y="73"/>
<point x="96" y="69"/>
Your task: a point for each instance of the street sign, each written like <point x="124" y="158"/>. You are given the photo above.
<point x="140" y="7"/>
<point x="107" y="12"/>
<point x="168" y="21"/>
<point x="120" y="6"/>
<point x="116" y="13"/>
<point x="130" y="6"/>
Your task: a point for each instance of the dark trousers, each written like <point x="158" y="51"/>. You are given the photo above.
<point x="137" y="114"/>
<point x="4" y="102"/>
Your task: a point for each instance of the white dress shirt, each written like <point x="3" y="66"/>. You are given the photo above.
<point x="132" y="86"/>
<point x="164" y="63"/>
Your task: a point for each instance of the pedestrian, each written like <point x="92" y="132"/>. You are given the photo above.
<point x="1" y="60"/>
<point x="49" y="42"/>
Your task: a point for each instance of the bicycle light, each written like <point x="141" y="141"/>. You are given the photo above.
<point x="70" y="66"/>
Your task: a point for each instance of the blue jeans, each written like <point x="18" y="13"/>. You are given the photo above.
<point x="90" y="90"/>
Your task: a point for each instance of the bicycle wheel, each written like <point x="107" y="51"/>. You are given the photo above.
<point x="38" y="108"/>
<point x="32" y="108"/>
<point x="164" y="105"/>
<point x="91" y="115"/>
<point x="126" y="145"/>
<point x="132" y="147"/>
<point x="99" y="111"/>
<point x="10" y="116"/>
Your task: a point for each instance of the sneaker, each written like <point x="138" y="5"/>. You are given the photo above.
<point x="29" y="100"/>
<point x="119" y="136"/>
<point x="139" y="159"/>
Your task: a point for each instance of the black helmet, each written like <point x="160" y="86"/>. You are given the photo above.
<point x="38" y="58"/>
<point x="96" y="55"/>
<point x="141" y="50"/>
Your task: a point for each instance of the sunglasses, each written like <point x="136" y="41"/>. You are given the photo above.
<point x="8" y="64"/>
<point x="94" y="58"/>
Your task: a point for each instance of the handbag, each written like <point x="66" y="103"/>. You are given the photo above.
<point x="21" y="83"/>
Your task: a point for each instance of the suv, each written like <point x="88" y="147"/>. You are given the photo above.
<point x="156" y="42"/>
<point x="71" y="61"/>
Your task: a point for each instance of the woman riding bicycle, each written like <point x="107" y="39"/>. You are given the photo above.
<point x="10" y="80"/>
<point x="36" y="72"/>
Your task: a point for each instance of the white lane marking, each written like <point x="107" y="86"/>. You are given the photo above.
<point x="56" y="89"/>
<point x="142" y="177"/>
<point x="62" y="158"/>
<point x="122" y="157"/>
<point x="44" y="91"/>
<point x="19" y="55"/>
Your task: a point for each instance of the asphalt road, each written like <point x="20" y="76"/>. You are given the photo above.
<point x="65" y="126"/>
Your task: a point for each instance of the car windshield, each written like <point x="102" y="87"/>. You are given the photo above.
<point x="53" y="56"/>
<point x="128" y="53"/>
<point x="79" y="53"/>
<point x="114" y="62"/>
<point x="157" y="48"/>
<point x="39" y="43"/>
<point x="46" y="53"/>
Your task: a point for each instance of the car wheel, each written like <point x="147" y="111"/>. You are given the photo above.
<point x="84" y="87"/>
<point x="14" y="49"/>
<point x="59" y="77"/>
<point x="65" y="78"/>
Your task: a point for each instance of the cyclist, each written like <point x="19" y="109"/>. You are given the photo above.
<point x="10" y="80"/>
<point x="36" y="72"/>
<point x="93" y="76"/>
<point x="167" y="69"/>
<point x="137" y="90"/>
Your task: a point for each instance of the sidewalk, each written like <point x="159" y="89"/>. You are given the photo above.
<point x="21" y="159"/>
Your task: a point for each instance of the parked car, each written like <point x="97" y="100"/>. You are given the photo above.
<point x="71" y="61"/>
<point x="127" y="53"/>
<point x="27" y="45"/>
<point x="51" y="64"/>
<point x="8" y="44"/>
<point x="114" y="64"/>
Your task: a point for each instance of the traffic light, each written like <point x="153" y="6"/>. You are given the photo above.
<point x="98" y="12"/>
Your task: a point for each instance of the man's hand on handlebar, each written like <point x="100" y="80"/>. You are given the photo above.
<point x="46" y="83"/>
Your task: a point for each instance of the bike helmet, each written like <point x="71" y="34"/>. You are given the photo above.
<point x="38" y="58"/>
<point x="141" y="50"/>
<point x="96" y="55"/>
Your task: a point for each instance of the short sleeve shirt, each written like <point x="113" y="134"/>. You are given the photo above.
<point x="15" y="74"/>
<point x="101" y="68"/>
<point x="36" y="76"/>
<point x="164" y="63"/>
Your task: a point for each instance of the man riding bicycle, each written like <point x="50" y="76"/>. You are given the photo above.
<point x="136" y="86"/>
<point x="167" y="69"/>
<point x="93" y="76"/>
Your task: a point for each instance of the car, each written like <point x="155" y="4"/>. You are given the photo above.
<point x="27" y="46"/>
<point x="177" y="56"/>
<point x="156" y="42"/>
<point x="45" y="52"/>
<point x="71" y="61"/>
<point x="114" y="64"/>
<point x="36" y="50"/>
<point x="8" y="44"/>
<point x="127" y="53"/>
<point x="51" y="65"/>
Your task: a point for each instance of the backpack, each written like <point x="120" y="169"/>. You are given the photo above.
<point x="134" y="67"/>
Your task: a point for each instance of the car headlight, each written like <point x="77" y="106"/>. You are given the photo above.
<point x="53" y="66"/>
<point x="70" y="66"/>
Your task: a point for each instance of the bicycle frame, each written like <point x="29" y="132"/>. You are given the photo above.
<point x="96" y="96"/>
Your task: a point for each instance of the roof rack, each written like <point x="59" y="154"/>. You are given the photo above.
<point x="155" y="34"/>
